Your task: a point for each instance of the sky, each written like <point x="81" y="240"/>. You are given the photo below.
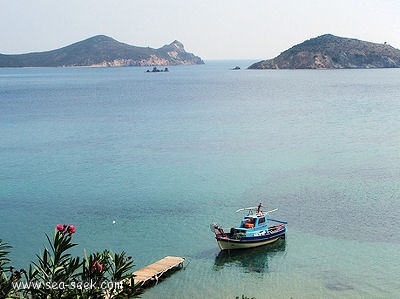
<point x="211" y="29"/>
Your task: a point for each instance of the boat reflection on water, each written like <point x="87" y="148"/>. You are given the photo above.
<point x="251" y="260"/>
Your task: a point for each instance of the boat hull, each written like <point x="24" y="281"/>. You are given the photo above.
<point x="227" y="243"/>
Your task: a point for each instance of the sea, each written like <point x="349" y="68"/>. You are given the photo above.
<point x="145" y="162"/>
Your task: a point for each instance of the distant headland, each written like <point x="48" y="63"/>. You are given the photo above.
<point x="333" y="52"/>
<point x="103" y="51"/>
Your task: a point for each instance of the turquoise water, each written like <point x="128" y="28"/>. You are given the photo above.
<point x="166" y="154"/>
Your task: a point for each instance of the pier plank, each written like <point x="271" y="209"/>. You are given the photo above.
<point x="157" y="269"/>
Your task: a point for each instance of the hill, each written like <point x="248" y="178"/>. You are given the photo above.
<point x="333" y="52"/>
<point x="102" y="50"/>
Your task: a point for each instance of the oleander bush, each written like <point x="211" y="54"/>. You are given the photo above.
<point x="57" y="274"/>
<point x="6" y="272"/>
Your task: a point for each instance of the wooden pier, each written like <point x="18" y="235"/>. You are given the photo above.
<point x="151" y="273"/>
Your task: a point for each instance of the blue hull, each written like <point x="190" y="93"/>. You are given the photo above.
<point x="225" y="241"/>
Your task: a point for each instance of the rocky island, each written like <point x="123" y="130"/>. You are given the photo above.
<point x="103" y="51"/>
<point x="333" y="52"/>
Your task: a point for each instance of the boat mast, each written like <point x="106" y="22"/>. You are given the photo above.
<point x="259" y="209"/>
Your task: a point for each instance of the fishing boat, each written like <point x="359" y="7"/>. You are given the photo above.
<point x="254" y="230"/>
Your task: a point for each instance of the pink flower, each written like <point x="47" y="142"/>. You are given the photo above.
<point x="71" y="229"/>
<point x="66" y="228"/>
<point x="97" y="265"/>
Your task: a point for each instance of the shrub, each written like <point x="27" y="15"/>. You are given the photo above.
<point x="57" y="274"/>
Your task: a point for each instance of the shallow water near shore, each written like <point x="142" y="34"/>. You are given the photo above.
<point x="166" y="154"/>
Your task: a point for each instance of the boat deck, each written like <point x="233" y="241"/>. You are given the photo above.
<point x="153" y="272"/>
